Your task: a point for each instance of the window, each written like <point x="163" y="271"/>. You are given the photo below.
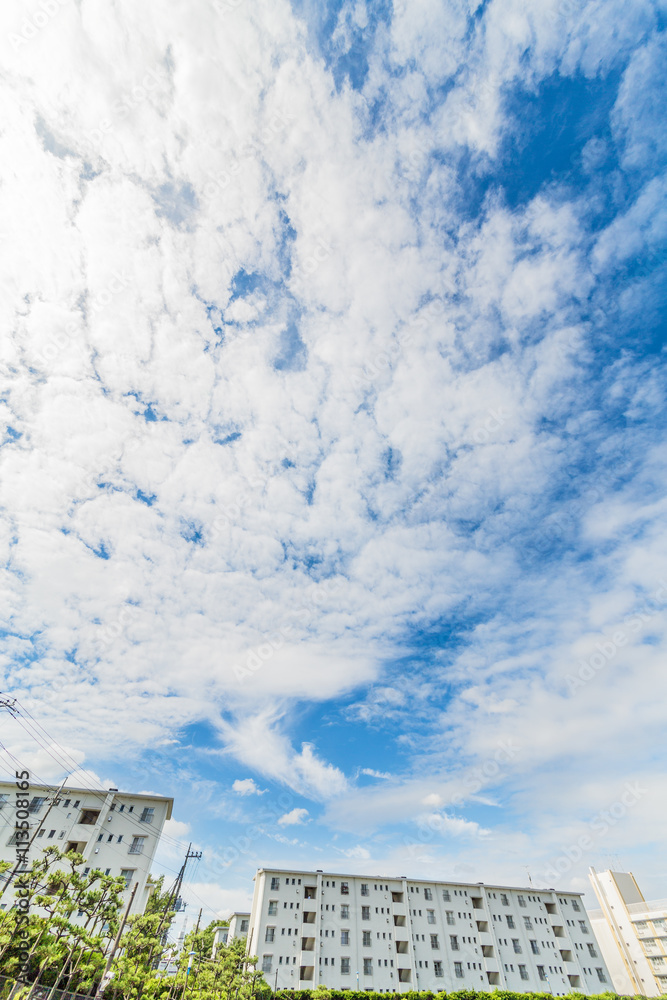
<point x="345" y="937"/>
<point x="368" y="966"/>
<point x="437" y="969"/>
<point x="453" y="942"/>
<point x="521" y="900"/>
<point x="510" y="921"/>
<point x="365" y="913"/>
<point x="109" y="838"/>
<point x="366" y="939"/>
<point x="516" y="946"/>
<point x="77" y="803"/>
<point x="36" y="803"/>
<point x="121" y="808"/>
<point x="428" y="894"/>
<point x="523" y="972"/>
<point x="534" y="948"/>
<point x="344" y="911"/>
<point x="601" y="975"/>
<point x="51" y="835"/>
<point x="503" y="899"/>
<point x="528" y="923"/>
<point x="42" y="832"/>
<point x="273" y="907"/>
<point x="345" y="966"/>
<point x="137" y="845"/>
<point x="89" y="817"/>
<point x="364" y="889"/>
<point x="450" y="917"/>
<point x="575" y="905"/>
<point x="446" y="895"/>
<point x="309" y="891"/>
<point x="344" y="889"/>
<point x="541" y="973"/>
<point x="127" y="874"/>
<point x="434" y="941"/>
<point x="270" y="934"/>
<point x="430" y="916"/>
<point x="120" y="838"/>
<point x="267" y="961"/>
<point x="458" y="970"/>
<point x="584" y="928"/>
<point x="244" y="925"/>
<point x="100" y="838"/>
<point x="591" y="950"/>
<point x="147" y="816"/>
<point x="275" y="884"/>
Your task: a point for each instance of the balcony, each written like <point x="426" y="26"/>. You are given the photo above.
<point x="574" y="980"/>
<point x="566" y="956"/>
<point x="551" y="908"/>
<point x="310" y="892"/>
<point x="397" y="897"/>
<point x="306" y="973"/>
<point x="405" y="975"/>
<point x="308" y="944"/>
<point x="487" y="950"/>
<point x="402" y="947"/>
<point x="494" y="978"/>
<point x="477" y="902"/>
<point x="482" y="926"/>
<point x="309" y="916"/>
<point x="399" y="921"/>
<point x="559" y="930"/>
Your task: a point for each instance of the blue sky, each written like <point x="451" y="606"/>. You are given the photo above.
<point x="333" y="407"/>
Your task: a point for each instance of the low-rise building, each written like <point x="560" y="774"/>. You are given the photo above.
<point x="394" y="935"/>
<point x="632" y="933"/>
<point x="115" y="831"/>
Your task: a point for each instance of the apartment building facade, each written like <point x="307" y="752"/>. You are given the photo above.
<point x="632" y="933"/>
<point x="115" y="831"/>
<point x="396" y="934"/>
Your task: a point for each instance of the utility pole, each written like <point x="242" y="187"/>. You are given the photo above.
<point x="173" y="895"/>
<point x="105" y="975"/>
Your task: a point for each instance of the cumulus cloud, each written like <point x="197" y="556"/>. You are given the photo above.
<point x="247" y="786"/>
<point x="330" y="392"/>
<point x="296" y="817"/>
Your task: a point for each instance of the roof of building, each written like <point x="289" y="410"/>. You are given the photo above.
<point x="99" y="792"/>
<point x="421" y="881"/>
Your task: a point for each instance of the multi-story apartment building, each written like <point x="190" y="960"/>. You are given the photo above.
<point x="397" y="934"/>
<point x="237" y="928"/>
<point x="115" y="831"/>
<point x="632" y="934"/>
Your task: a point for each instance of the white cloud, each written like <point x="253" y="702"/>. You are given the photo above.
<point x="246" y="786"/>
<point x="295" y="817"/>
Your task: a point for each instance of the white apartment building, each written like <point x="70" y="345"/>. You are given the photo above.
<point x="237" y="928"/>
<point x="115" y="831"/>
<point x="397" y="934"/>
<point x="632" y="934"/>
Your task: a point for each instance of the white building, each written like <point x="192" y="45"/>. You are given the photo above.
<point x="237" y="928"/>
<point x="632" y="934"/>
<point x="115" y="831"/>
<point x="398" y="934"/>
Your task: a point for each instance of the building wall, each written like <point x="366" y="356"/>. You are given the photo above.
<point x="114" y="831"/>
<point x="400" y="934"/>
<point x="632" y="934"/>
